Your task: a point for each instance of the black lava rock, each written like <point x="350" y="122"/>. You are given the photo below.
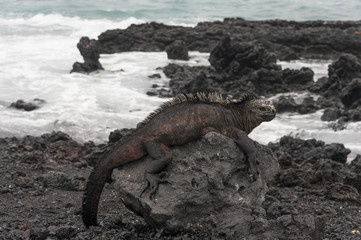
<point x="89" y="50"/>
<point x="177" y="50"/>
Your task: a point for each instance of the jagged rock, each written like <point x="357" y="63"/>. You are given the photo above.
<point x="319" y="167"/>
<point x="89" y="50"/>
<point x="346" y="67"/>
<point x="207" y="183"/>
<point x="199" y="84"/>
<point x="288" y="104"/>
<point x="285" y="104"/>
<point x="353" y="114"/>
<point x="310" y="150"/>
<point x="331" y="114"/>
<point x="156" y="75"/>
<point x="351" y="94"/>
<point x="237" y="59"/>
<point x="356" y="164"/>
<point x="177" y="50"/>
<point x="28" y="106"/>
<point x="341" y="73"/>
<point x="294" y="76"/>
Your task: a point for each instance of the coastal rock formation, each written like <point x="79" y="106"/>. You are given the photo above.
<point x="89" y="50"/>
<point x="289" y="40"/>
<point x="207" y="184"/>
<point x="27" y="106"/>
<point x="235" y="68"/>
<point x="342" y="88"/>
<point x="177" y="50"/>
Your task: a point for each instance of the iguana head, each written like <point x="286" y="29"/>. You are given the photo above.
<point x="257" y="111"/>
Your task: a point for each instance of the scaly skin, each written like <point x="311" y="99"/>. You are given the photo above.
<point x="177" y="124"/>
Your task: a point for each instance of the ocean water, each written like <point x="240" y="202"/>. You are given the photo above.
<point x="38" y="47"/>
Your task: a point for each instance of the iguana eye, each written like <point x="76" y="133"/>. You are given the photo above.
<point x="263" y="109"/>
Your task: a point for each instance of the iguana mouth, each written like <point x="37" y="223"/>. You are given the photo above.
<point x="268" y="116"/>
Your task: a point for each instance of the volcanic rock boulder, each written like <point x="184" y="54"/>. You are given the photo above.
<point x="237" y="59"/>
<point x="89" y="50"/>
<point x="207" y="184"/>
<point x="341" y="73"/>
<point x="177" y="50"/>
<point x="351" y="94"/>
<point x="27" y="106"/>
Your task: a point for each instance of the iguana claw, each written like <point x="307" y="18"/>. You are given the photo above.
<point x="152" y="181"/>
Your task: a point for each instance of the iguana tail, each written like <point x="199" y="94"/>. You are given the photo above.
<point x="97" y="179"/>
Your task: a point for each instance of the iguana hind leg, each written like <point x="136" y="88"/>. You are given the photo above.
<point x="154" y="173"/>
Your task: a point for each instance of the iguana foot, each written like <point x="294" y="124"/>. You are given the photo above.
<point x="152" y="181"/>
<point x="253" y="167"/>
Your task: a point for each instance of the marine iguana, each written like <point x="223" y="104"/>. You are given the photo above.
<point x="183" y="119"/>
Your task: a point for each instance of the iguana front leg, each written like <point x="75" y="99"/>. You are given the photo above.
<point x="153" y="175"/>
<point x="248" y="147"/>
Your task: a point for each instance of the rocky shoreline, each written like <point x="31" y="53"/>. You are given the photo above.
<point x="309" y="192"/>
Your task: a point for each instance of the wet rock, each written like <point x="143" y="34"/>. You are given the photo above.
<point x="286" y="104"/>
<point x="356" y="164"/>
<point x="351" y="94"/>
<point x="347" y="67"/>
<point x="199" y="84"/>
<point x="341" y="117"/>
<point x="28" y="106"/>
<point x="185" y="79"/>
<point x="308" y="105"/>
<point x="56" y="136"/>
<point x="341" y="73"/>
<point x="204" y="177"/>
<point x="89" y="50"/>
<point x="331" y="114"/>
<point x="156" y="75"/>
<point x="300" y="77"/>
<point x="337" y="152"/>
<point x="177" y="50"/>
